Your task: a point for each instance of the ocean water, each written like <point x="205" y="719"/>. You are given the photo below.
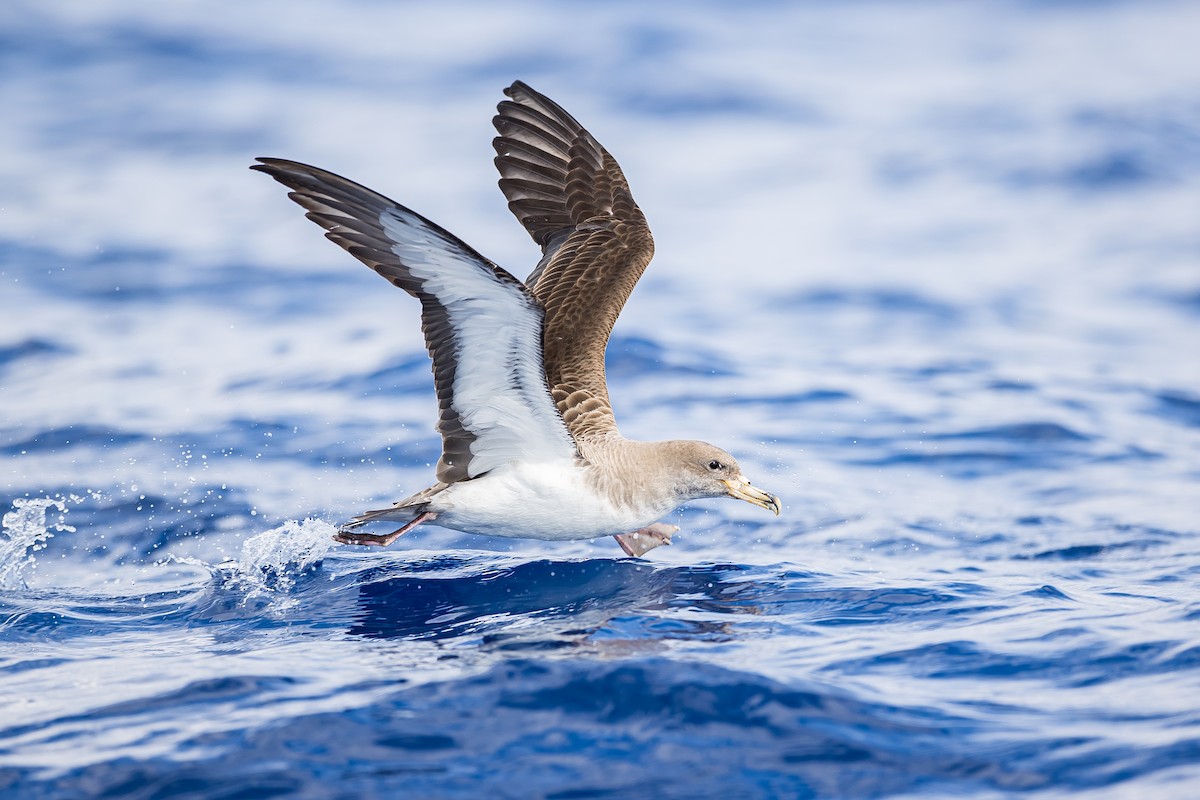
<point x="932" y="271"/>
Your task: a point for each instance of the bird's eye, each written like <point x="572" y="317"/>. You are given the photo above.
<point x="714" y="465"/>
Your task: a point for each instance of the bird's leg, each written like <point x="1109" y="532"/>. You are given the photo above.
<point x="345" y="536"/>
<point x="645" y="539"/>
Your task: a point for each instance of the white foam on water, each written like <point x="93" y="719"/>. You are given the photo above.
<point x="26" y="531"/>
<point x="271" y="561"/>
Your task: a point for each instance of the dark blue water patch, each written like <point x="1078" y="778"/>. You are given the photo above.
<point x="1046" y="593"/>
<point x="225" y="689"/>
<point x="142" y="527"/>
<point x="1178" y="406"/>
<point x="1038" y="521"/>
<point x="1125" y="149"/>
<point x="155" y="276"/>
<point x="1170" y="131"/>
<point x="185" y="56"/>
<point x="1008" y="385"/>
<point x="62" y="615"/>
<point x="809" y="397"/>
<point x="804" y="599"/>
<point x="577" y="728"/>
<point x="31" y="349"/>
<point x="264" y="439"/>
<point x="1014" y="446"/>
<point x="641" y="627"/>
<point x="721" y="396"/>
<point x="650" y="41"/>
<point x="234" y="690"/>
<point x="438" y="602"/>
<point x="406" y="374"/>
<point x="1020" y="432"/>
<point x="885" y="301"/>
<point x="925" y="372"/>
<point x="1114" y="170"/>
<point x="1148" y="533"/>
<point x="16" y="442"/>
<point x="973" y="464"/>
<point x="411" y="443"/>
<point x="1109" y="171"/>
<point x="429" y="606"/>
<point x="1084" y="665"/>
<point x="715" y="101"/>
<point x="239" y="606"/>
<point x="631" y="357"/>
<point x="419" y="452"/>
<point x="1130" y="453"/>
<point x="1109" y="538"/>
<point x="17" y="665"/>
<point x="648" y="728"/>
<point x="1079" y="552"/>
<point x="954" y="659"/>
<point x="493" y="602"/>
<point x="1187" y="301"/>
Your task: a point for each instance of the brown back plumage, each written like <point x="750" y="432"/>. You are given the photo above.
<point x="572" y="197"/>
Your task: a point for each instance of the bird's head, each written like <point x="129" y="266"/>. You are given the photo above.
<point x="708" y="471"/>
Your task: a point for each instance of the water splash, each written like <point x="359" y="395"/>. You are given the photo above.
<point x="273" y="560"/>
<point x="27" y="531"/>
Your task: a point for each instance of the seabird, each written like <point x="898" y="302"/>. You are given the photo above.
<point x="530" y="447"/>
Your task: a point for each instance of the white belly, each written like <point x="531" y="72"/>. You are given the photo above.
<point x="536" y="501"/>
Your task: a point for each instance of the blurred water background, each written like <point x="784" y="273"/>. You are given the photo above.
<point x="931" y="270"/>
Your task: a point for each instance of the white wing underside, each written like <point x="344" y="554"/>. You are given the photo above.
<point x="499" y="382"/>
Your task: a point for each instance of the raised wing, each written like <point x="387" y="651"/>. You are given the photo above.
<point x="571" y="196"/>
<point x="482" y="326"/>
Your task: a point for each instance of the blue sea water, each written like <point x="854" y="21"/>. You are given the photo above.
<point x="932" y="271"/>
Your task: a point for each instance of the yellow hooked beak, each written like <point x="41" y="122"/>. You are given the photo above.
<point x="740" y="488"/>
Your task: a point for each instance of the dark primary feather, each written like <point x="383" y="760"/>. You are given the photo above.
<point x="574" y="201"/>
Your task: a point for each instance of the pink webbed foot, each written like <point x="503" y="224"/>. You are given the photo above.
<point x="348" y="536"/>
<point x="644" y="540"/>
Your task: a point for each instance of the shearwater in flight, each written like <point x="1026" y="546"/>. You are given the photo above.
<point x="530" y="447"/>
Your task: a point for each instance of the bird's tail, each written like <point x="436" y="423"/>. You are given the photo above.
<point x="406" y="510"/>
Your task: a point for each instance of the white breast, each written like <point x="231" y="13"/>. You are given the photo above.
<point x="547" y="500"/>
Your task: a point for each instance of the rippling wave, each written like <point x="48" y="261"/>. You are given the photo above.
<point x="929" y="271"/>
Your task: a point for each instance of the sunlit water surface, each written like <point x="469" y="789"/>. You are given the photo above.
<point x="931" y="271"/>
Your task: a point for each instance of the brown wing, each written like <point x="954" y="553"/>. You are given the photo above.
<point x="572" y="197"/>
